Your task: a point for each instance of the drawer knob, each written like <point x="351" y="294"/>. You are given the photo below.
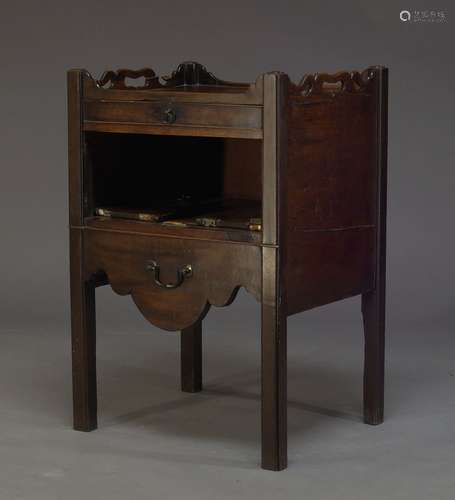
<point x="170" y="116"/>
<point x="182" y="273"/>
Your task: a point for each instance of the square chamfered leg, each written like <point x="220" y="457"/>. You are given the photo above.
<point x="191" y="358"/>
<point x="373" y="391"/>
<point x="274" y="369"/>
<point x="83" y="337"/>
<point x="373" y="302"/>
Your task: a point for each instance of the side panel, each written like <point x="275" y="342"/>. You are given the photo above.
<point x="331" y="206"/>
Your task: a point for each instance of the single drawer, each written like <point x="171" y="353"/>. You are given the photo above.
<point x="173" y="281"/>
<point x="175" y="117"/>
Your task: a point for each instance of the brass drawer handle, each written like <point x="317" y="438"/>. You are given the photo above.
<point x="182" y="273"/>
<point x="170" y="116"/>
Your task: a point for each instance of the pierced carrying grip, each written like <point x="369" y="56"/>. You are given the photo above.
<point x="117" y="79"/>
<point x="336" y="83"/>
<point x="182" y="273"/>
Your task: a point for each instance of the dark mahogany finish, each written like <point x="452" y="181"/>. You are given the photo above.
<point x="313" y="155"/>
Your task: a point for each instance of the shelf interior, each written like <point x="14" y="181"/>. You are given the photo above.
<point x="171" y="180"/>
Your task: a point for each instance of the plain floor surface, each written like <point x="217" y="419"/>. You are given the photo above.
<point x="154" y="441"/>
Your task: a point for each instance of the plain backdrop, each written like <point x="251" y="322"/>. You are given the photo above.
<point x="236" y="40"/>
<point x="39" y="41"/>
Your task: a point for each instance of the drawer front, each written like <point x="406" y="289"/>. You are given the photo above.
<point x="173" y="281"/>
<point x="176" y="117"/>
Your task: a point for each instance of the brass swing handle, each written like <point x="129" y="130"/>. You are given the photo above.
<point x="182" y="273"/>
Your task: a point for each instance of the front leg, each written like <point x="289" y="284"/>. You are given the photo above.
<point x="83" y="336"/>
<point x="274" y="369"/>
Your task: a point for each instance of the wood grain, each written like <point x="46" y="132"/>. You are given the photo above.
<point x="219" y="270"/>
<point x="331" y="199"/>
<point x="190" y="118"/>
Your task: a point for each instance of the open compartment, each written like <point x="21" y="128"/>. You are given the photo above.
<point x="204" y="182"/>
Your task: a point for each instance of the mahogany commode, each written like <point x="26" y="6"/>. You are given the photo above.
<point x="185" y="188"/>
